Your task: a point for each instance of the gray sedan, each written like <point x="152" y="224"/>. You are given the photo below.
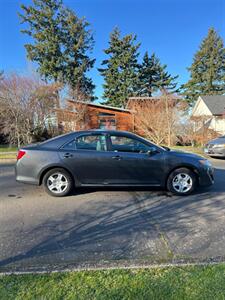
<point x="109" y="158"/>
<point x="216" y="147"/>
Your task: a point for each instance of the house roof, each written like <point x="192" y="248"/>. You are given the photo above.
<point x="153" y="98"/>
<point x="215" y="103"/>
<point x="101" y="106"/>
<point x="143" y="98"/>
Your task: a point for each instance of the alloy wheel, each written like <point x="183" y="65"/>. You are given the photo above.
<point x="57" y="183"/>
<point x="182" y="183"/>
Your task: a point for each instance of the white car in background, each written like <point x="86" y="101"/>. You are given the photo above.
<point x="216" y="147"/>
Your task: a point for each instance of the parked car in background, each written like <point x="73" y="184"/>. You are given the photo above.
<point x="109" y="158"/>
<point x="216" y="147"/>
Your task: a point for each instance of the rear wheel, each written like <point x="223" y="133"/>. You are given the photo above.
<point x="58" y="182"/>
<point x="182" y="182"/>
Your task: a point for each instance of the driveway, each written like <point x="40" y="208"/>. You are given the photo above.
<point x="108" y="227"/>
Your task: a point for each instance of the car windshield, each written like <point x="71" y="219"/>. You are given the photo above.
<point x="156" y="145"/>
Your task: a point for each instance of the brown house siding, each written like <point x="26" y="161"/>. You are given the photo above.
<point x="80" y="116"/>
<point x="123" y="120"/>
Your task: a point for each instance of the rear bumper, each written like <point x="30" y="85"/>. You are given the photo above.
<point x="23" y="178"/>
<point x="27" y="180"/>
<point x="216" y="155"/>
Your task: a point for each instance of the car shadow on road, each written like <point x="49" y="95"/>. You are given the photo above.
<point x="119" y="230"/>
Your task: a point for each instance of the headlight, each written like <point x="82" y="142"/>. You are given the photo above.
<point x="219" y="146"/>
<point x="205" y="162"/>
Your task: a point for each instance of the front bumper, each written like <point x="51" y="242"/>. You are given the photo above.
<point x="206" y="176"/>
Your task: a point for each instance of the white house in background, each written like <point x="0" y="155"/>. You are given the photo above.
<point x="212" y="108"/>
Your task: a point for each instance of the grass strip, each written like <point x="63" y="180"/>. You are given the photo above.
<point x="196" y="150"/>
<point x="8" y="155"/>
<point x="8" y="149"/>
<point x="191" y="282"/>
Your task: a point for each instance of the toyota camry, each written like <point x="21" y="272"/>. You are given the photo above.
<point x="109" y="158"/>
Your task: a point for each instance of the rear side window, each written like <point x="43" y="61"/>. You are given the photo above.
<point x="91" y="142"/>
<point x="88" y="142"/>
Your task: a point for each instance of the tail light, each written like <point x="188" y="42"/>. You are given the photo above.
<point x="20" y="154"/>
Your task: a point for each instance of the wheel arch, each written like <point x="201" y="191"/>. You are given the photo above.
<point x="43" y="172"/>
<point x="186" y="166"/>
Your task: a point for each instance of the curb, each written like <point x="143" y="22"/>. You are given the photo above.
<point x="121" y="267"/>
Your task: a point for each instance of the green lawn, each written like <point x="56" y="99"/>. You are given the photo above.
<point x="193" y="282"/>
<point x="8" y="149"/>
<point x="197" y="150"/>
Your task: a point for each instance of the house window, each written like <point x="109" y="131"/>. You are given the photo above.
<point x="107" y="121"/>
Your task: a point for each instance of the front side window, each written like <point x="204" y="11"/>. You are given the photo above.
<point x="126" y="144"/>
<point x="91" y="142"/>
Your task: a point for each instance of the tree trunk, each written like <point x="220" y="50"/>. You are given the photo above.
<point x="168" y="122"/>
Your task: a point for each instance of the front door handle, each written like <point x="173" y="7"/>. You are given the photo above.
<point x="117" y="157"/>
<point x="67" y="155"/>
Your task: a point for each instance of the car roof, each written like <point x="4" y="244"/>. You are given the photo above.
<point x="103" y="131"/>
<point x="58" y="141"/>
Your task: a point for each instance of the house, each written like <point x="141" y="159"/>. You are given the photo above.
<point x="80" y="115"/>
<point x="211" y="111"/>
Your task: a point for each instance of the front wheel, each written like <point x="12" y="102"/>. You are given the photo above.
<point x="58" y="182"/>
<point x="182" y="182"/>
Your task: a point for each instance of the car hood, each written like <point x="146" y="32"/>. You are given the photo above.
<point x="186" y="154"/>
<point x="217" y="141"/>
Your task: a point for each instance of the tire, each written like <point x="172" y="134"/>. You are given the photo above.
<point x="58" y="182"/>
<point x="182" y="182"/>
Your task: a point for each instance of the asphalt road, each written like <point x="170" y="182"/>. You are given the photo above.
<point x="108" y="227"/>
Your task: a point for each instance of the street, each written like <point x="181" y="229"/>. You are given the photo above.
<point x="108" y="227"/>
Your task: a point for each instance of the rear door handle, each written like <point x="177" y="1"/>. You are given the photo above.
<point x="117" y="157"/>
<point x="67" y="155"/>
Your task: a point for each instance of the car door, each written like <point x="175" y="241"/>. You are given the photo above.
<point x="87" y="157"/>
<point x="135" y="162"/>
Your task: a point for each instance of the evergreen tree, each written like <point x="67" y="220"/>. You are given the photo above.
<point x="1" y="75"/>
<point x="43" y="20"/>
<point x="153" y="77"/>
<point x="83" y="90"/>
<point x="207" y="72"/>
<point x="78" y="43"/>
<point x="120" y="72"/>
<point x="61" y="42"/>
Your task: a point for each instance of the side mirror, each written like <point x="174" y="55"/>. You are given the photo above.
<point x="166" y="148"/>
<point x="152" y="151"/>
